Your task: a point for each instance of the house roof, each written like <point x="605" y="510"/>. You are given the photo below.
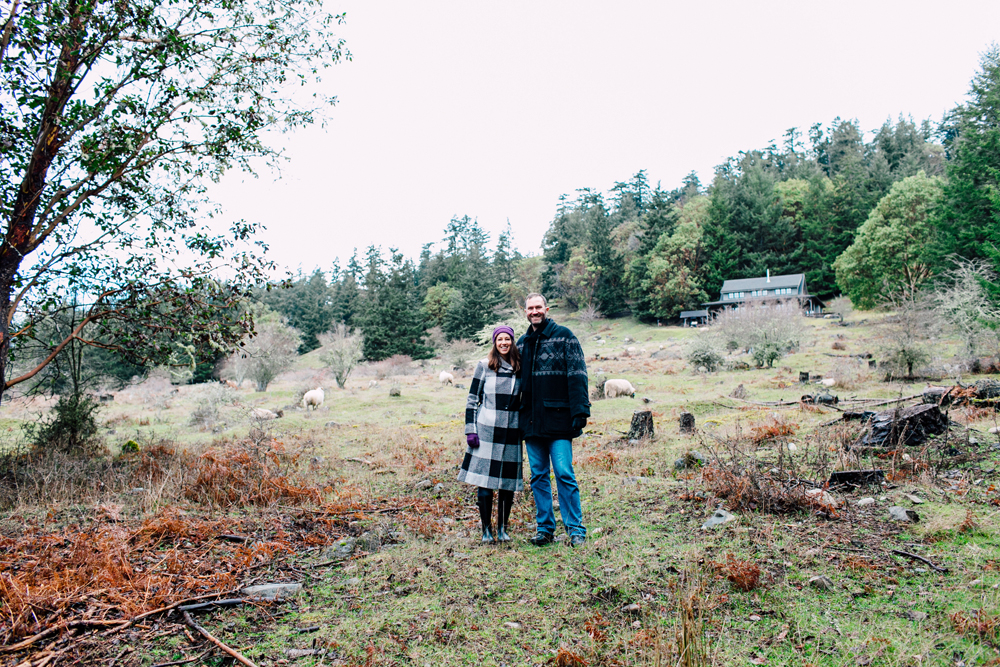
<point x="793" y="280"/>
<point x="685" y="314"/>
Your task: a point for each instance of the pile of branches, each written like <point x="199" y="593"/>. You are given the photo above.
<point x="751" y="489"/>
<point x="984" y="393"/>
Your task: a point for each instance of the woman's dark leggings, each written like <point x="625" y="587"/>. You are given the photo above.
<point x="505" y="500"/>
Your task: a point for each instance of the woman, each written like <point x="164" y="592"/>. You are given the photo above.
<point x="493" y="458"/>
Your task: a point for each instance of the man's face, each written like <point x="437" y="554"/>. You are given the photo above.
<point x="536" y="310"/>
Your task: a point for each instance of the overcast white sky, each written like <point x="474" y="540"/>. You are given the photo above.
<point x="492" y="110"/>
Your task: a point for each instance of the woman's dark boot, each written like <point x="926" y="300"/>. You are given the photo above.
<point x="485" y="502"/>
<point x="504" y="502"/>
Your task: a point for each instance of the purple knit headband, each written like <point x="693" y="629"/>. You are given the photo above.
<point x="502" y="329"/>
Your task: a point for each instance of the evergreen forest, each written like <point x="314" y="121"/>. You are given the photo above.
<point x="862" y="217"/>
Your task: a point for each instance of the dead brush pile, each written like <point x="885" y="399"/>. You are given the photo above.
<point x="249" y="473"/>
<point x="759" y="490"/>
<point x="751" y="478"/>
<point x="104" y="572"/>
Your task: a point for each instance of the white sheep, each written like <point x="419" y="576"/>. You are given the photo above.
<point x="616" y="388"/>
<point x="264" y="414"/>
<point x="372" y="384"/>
<point x="313" y="398"/>
<point x="446" y="378"/>
<point x="828" y="382"/>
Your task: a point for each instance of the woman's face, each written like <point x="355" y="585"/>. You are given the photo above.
<point x="504" y="343"/>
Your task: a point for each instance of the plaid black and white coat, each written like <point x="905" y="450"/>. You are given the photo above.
<point x="491" y="413"/>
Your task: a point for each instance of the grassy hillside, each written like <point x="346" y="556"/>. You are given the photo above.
<point x="650" y="587"/>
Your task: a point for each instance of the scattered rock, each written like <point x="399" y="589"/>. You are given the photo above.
<point x="423" y="484"/>
<point x="903" y="514"/>
<point x="271" y="591"/>
<point x="342" y="550"/>
<point x="822" y="497"/>
<point x="821" y="583"/>
<point x="754" y="617"/>
<point x="512" y="625"/>
<point x="330" y="425"/>
<point x="296" y="653"/>
<point x="916" y="500"/>
<point x="865" y="502"/>
<point x="691" y="460"/>
<point x="370" y="541"/>
<point x="633" y="609"/>
<point x="995" y="429"/>
<point x="350" y="583"/>
<point x="916" y="616"/>
<point x="395" y="391"/>
<point x="975" y="582"/>
<point x="719" y="518"/>
<point x="459" y="386"/>
<point x="439" y="487"/>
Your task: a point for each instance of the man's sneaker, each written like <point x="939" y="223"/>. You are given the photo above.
<point x="577" y="540"/>
<point x="542" y="539"/>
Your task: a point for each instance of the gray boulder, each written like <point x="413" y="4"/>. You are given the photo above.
<point x="271" y="591"/>
<point x="903" y="514"/>
<point x="719" y="518"/>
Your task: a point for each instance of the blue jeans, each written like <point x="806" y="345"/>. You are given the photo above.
<point x="560" y="452"/>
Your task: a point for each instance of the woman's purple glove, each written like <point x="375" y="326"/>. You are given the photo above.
<point x="472" y="439"/>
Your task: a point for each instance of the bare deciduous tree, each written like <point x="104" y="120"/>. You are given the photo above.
<point x="766" y="328"/>
<point x="268" y="353"/>
<point x="905" y="333"/>
<point x="342" y="350"/>
<point x="963" y="304"/>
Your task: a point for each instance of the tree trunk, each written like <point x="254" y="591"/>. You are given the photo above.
<point x="642" y="425"/>
<point x="687" y="422"/>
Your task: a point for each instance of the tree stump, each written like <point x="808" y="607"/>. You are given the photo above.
<point x="642" y="425"/>
<point x="687" y="422"/>
<point x="803" y="376"/>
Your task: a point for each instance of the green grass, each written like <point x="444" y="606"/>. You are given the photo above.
<point x="443" y="599"/>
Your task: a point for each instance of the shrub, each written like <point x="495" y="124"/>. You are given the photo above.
<point x="703" y="354"/>
<point x="744" y="575"/>
<point x="342" y="350"/>
<point x="71" y="429"/>
<point x="766" y="354"/>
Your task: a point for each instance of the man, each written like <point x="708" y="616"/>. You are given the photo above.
<point x="554" y="410"/>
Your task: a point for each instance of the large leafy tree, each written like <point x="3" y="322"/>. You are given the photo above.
<point x="890" y="252"/>
<point x="113" y="118"/>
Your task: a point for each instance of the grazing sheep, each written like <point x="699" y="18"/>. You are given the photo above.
<point x="446" y="378"/>
<point x="372" y="384"/>
<point x="264" y="414"/>
<point x="616" y="388"/>
<point x="313" y="398"/>
<point x="828" y="382"/>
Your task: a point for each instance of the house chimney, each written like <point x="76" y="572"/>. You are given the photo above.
<point x="769" y="275"/>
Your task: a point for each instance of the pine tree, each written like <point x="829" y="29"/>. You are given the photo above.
<point x="968" y="222"/>
<point x="392" y="322"/>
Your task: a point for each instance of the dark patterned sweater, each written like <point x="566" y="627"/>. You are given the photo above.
<point x="553" y="382"/>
